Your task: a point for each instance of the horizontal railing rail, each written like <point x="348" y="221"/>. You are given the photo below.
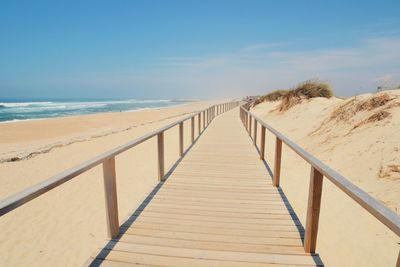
<point x="108" y="160"/>
<point x="318" y="171"/>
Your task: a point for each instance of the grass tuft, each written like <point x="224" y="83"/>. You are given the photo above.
<point x="306" y="90"/>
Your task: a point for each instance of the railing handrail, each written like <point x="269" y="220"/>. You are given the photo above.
<point x="370" y="204"/>
<point x="14" y="201"/>
<point x="373" y="206"/>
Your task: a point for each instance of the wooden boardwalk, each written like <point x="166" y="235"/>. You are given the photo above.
<point x="217" y="208"/>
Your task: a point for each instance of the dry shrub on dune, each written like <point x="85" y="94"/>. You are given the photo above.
<point x="377" y="116"/>
<point x="360" y="112"/>
<point x="274" y="96"/>
<point x="305" y="90"/>
<point x="350" y="108"/>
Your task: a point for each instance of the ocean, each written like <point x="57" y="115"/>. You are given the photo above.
<point x="16" y="110"/>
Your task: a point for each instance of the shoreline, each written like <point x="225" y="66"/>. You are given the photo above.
<point x="22" y="128"/>
<point x="47" y="149"/>
<point x="69" y="221"/>
<point x="103" y="112"/>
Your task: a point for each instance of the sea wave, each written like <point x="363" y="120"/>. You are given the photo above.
<point x="24" y="110"/>
<point x="22" y="104"/>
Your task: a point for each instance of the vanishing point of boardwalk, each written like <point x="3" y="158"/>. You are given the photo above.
<point x="218" y="207"/>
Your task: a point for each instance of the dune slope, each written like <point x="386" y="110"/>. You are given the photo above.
<point x="359" y="138"/>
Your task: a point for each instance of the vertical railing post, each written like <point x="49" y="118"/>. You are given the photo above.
<point x="278" y="158"/>
<point x="204" y="120"/>
<point x="160" y="148"/>
<point x="199" y="123"/>
<point x="314" y="204"/>
<point x="248" y="121"/>
<point x="255" y="132"/>
<point x="181" y="139"/>
<point x="249" y="130"/>
<point x="110" y="191"/>
<point x="192" y="125"/>
<point x="262" y="149"/>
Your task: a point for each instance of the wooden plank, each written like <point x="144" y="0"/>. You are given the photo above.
<point x="160" y="149"/>
<point x="250" y="122"/>
<point x="123" y="258"/>
<point x="255" y="133"/>
<point x="219" y="245"/>
<point x="278" y="158"/>
<point x="110" y="193"/>
<point x="214" y="255"/>
<point x="217" y="224"/>
<point x="238" y="220"/>
<point x="181" y="139"/>
<point x="192" y="130"/>
<point x="211" y="213"/>
<point x="204" y="120"/>
<point x="215" y="230"/>
<point x="199" y="124"/>
<point x="262" y="148"/>
<point x="222" y="209"/>
<point x="314" y="204"/>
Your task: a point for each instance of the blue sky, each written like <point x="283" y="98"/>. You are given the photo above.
<point x="194" y="49"/>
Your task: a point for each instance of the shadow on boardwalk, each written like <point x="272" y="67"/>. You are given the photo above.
<point x="300" y="227"/>
<point x="101" y="256"/>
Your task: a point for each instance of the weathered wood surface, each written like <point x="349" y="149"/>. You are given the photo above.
<point x="370" y="204"/>
<point x="218" y="208"/>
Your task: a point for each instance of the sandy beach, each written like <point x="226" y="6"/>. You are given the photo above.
<point x="66" y="225"/>
<point x="358" y="137"/>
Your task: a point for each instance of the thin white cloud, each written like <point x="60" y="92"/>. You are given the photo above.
<point x="257" y="70"/>
<point x="264" y="46"/>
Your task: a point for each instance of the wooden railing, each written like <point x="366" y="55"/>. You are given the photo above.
<point x="108" y="161"/>
<point x="318" y="171"/>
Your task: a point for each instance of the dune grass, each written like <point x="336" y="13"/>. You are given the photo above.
<point x="289" y="98"/>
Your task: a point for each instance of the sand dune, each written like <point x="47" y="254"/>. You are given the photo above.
<point x="66" y="225"/>
<point x="358" y="137"/>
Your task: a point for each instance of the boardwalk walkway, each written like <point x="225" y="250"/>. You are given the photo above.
<point x="217" y="208"/>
